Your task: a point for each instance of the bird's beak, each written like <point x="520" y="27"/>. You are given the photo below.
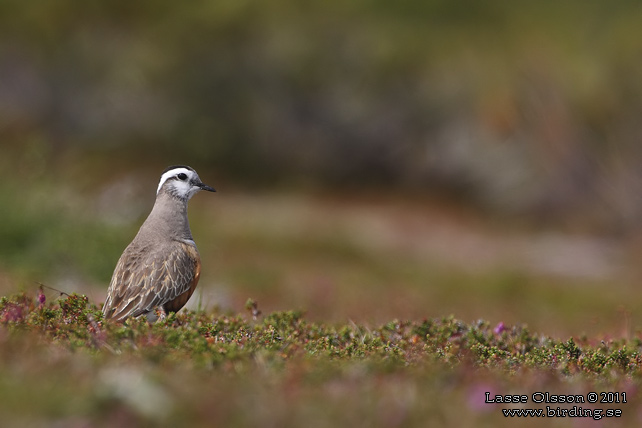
<point x="206" y="187"/>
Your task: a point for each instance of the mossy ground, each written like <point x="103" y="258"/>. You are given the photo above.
<point x="63" y="365"/>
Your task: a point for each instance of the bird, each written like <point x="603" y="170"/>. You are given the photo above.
<point x="159" y="270"/>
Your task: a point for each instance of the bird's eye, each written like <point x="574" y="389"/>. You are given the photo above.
<point x="182" y="176"/>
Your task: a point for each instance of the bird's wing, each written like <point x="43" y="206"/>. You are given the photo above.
<point x="147" y="277"/>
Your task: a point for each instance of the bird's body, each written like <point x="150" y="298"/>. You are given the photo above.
<point x="161" y="267"/>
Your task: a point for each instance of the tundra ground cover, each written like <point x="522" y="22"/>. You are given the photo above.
<point x="61" y="365"/>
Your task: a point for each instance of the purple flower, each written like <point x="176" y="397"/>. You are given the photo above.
<point x="41" y="297"/>
<point x="499" y="328"/>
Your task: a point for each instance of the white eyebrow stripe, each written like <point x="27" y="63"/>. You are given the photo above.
<point x="171" y="173"/>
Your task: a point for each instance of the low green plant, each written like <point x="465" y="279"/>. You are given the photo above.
<point x="98" y="366"/>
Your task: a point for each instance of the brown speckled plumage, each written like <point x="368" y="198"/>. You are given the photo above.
<point x="161" y="267"/>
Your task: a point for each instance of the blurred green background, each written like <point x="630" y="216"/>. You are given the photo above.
<point x="374" y="160"/>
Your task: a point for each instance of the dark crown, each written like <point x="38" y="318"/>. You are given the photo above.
<point x="169" y="168"/>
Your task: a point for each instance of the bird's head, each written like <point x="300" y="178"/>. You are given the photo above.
<point x="182" y="182"/>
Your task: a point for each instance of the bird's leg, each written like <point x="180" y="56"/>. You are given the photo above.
<point x="160" y="313"/>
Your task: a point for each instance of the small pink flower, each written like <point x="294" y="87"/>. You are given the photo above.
<point x="13" y="313"/>
<point x="499" y="328"/>
<point x="41" y="298"/>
